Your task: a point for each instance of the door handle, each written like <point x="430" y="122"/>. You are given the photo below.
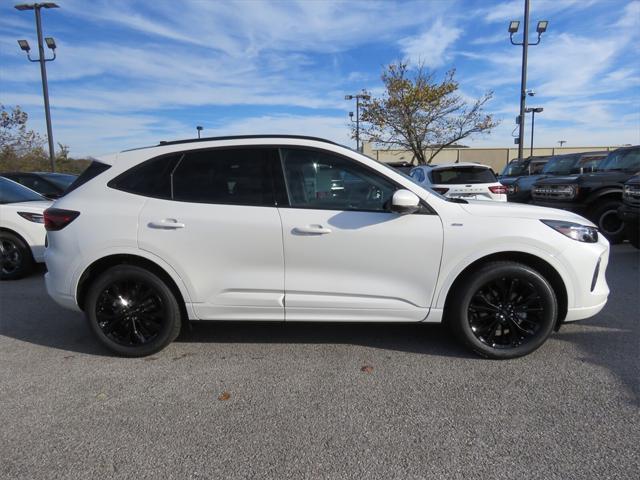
<point x="311" y="230"/>
<point x="166" y="224"/>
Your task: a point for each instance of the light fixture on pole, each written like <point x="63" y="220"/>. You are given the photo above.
<point x="358" y="97"/>
<point x="199" y="129"/>
<point x="514" y="25"/>
<point x="51" y="44"/>
<point x="533" y="112"/>
<point x="562" y="142"/>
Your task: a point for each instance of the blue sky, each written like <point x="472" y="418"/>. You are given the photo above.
<point x="132" y="73"/>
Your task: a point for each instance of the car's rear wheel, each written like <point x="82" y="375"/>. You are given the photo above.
<point x="132" y="311"/>
<point x="15" y="257"/>
<point x="503" y="310"/>
<point x="605" y="216"/>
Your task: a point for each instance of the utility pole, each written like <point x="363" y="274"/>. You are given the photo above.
<point x="513" y="28"/>
<point x="533" y="122"/>
<point x="24" y="45"/>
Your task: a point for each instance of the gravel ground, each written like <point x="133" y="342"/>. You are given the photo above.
<point x="234" y="400"/>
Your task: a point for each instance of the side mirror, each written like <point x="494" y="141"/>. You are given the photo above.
<point x="405" y="202"/>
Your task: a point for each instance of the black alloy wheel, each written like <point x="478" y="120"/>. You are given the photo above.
<point x="15" y="257"/>
<point x="503" y="310"/>
<point x="133" y="311"/>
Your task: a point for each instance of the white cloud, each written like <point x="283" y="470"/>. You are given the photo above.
<point x="430" y="47"/>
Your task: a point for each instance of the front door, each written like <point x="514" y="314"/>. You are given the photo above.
<point x="347" y="256"/>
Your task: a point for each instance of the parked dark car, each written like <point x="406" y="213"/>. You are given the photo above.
<point x="629" y="212"/>
<point x="596" y="195"/>
<point x="48" y="184"/>
<point x="572" y="163"/>
<point x="521" y="167"/>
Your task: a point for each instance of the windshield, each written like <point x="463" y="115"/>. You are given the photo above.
<point x="622" y="160"/>
<point x="514" y="169"/>
<point x="60" y="180"/>
<point x="461" y="175"/>
<point x="561" y="165"/>
<point x="12" y="192"/>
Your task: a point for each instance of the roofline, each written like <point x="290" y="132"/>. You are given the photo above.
<point x="163" y="143"/>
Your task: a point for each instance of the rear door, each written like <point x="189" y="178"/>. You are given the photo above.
<point x="218" y="226"/>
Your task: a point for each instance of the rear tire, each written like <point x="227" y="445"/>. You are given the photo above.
<point x="132" y="311"/>
<point x="605" y="216"/>
<point x="503" y="310"/>
<point x="15" y="257"/>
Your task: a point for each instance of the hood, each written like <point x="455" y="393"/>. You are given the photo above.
<point x="37" y="206"/>
<point x="508" y="210"/>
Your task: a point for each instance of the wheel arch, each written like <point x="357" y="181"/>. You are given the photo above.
<point x="548" y="271"/>
<point x="614" y="193"/>
<point x="104" y="263"/>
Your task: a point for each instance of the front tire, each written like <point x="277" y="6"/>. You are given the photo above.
<point x="605" y="216"/>
<point x="503" y="310"/>
<point x="15" y="257"/>
<point x="132" y="311"/>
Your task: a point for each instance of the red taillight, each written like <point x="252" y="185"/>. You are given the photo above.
<point x="441" y="190"/>
<point x="501" y="189"/>
<point x="57" y="218"/>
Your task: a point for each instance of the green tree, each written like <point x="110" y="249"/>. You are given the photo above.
<point x="418" y="113"/>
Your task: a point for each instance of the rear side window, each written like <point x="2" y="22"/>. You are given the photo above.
<point x="92" y="171"/>
<point x="226" y="176"/>
<point x="151" y="178"/>
<point x="459" y="175"/>
<point x="12" y="192"/>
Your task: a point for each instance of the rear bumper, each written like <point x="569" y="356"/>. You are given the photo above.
<point x="62" y="299"/>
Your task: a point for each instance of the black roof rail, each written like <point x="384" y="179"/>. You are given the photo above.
<point x="163" y="143"/>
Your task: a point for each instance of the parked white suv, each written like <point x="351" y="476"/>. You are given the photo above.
<point x="471" y="181"/>
<point x="284" y="228"/>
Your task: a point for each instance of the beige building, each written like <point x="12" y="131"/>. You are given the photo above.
<point x="496" y="158"/>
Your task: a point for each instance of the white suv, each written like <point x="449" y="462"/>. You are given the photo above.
<point x="285" y="228"/>
<point x="471" y="181"/>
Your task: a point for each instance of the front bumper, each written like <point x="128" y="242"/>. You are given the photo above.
<point x="629" y="214"/>
<point x="575" y="207"/>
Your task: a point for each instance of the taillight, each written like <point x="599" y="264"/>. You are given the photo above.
<point x="441" y="190"/>
<point x="57" y="218"/>
<point x="500" y="189"/>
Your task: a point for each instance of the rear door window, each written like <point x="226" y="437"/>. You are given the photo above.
<point x="237" y="176"/>
<point x="462" y="175"/>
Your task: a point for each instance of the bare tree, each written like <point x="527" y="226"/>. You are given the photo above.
<point x="418" y="113"/>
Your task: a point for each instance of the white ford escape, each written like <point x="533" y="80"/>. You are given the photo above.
<point x="285" y="228"/>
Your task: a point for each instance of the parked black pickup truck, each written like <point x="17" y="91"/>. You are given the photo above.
<point x="629" y="212"/>
<point x="596" y="195"/>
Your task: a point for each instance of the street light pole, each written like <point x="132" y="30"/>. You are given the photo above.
<point x="358" y="97"/>
<point x="513" y="28"/>
<point x="199" y="129"/>
<point x="43" y="70"/>
<point x="533" y="122"/>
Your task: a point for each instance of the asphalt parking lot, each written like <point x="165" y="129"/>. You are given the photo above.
<point x="292" y="401"/>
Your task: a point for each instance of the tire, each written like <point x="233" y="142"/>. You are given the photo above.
<point x="482" y="318"/>
<point x="605" y="216"/>
<point x="132" y="311"/>
<point x="15" y="257"/>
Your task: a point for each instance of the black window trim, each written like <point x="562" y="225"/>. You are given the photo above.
<point x="424" y="210"/>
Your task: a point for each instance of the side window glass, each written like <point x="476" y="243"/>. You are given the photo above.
<point x="225" y="176"/>
<point x="322" y="180"/>
<point x="151" y="178"/>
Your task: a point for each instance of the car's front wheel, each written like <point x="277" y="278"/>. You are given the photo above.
<point x="132" y="311"/>
<point x="503" y="310"/>
<point x="605" y="216"/>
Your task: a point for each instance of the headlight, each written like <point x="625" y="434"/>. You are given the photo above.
<point x="32" y="217"/>
<point x="575" y="231"/>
